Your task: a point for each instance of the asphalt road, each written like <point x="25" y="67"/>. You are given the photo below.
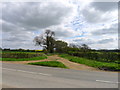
<point x="29" y="76"/>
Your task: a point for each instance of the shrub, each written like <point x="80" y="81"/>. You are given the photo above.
<point x="103" y="56"/>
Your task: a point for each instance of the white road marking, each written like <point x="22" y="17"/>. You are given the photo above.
<point x="106" y="81"/>
<point x="27" y="72"/>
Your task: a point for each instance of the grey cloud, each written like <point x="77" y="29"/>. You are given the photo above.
<point x="99" y="12"/>
<point x="105" y="6"/>
<point x="17" y="39"/>
<point x="92" y="16"/>
<point x="35" y="15"/>
<point x="91" y="42"/>
<point x="63" y="32"/>
<point x="84" y="41"/>
<point x="18" y="44"/>
<point x="112" y="30"/>
<point x="104" y="41"/>
<point x="7" y="27"/>
<point x="60" y="33"/>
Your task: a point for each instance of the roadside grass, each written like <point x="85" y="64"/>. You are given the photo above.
<point x="92" y="63"/>
<point x="24" y="59"/>
<point x="49" y="64"/>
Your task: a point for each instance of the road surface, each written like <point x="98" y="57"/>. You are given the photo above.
<point x="29" y="76"/>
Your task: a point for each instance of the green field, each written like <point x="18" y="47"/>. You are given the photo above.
<point x="21" y="56"/>
<point x="49" y="64"/>
<point x="92" y="63"/>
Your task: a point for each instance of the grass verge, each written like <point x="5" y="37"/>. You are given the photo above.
<point x="24" y="59"/>
<point x="92" y="63"/>
<point x="50" y="64"/>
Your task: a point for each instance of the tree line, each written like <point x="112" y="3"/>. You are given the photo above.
<point x="50" y="45"/>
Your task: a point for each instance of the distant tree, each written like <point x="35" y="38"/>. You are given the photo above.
<point x="74" y="47"/>
<point x="61" y="46"/>
<point x="20" y="49"/>
<point x="5" y="49"/>
<point x="46" y="40"/>
<point x="85" y="47"/>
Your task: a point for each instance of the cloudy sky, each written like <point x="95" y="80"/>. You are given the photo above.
<point x="91" y="23"/>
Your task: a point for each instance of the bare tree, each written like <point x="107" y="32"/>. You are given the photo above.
<point x="46" y="40"/>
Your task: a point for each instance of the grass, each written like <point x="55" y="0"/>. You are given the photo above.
<point x="92" y="63"/>
<point x="50" y="64"/>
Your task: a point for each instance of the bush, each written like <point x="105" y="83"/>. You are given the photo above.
<point x="103" y="56"/>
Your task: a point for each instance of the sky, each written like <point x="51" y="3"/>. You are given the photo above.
<point x="92" y="23"/>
